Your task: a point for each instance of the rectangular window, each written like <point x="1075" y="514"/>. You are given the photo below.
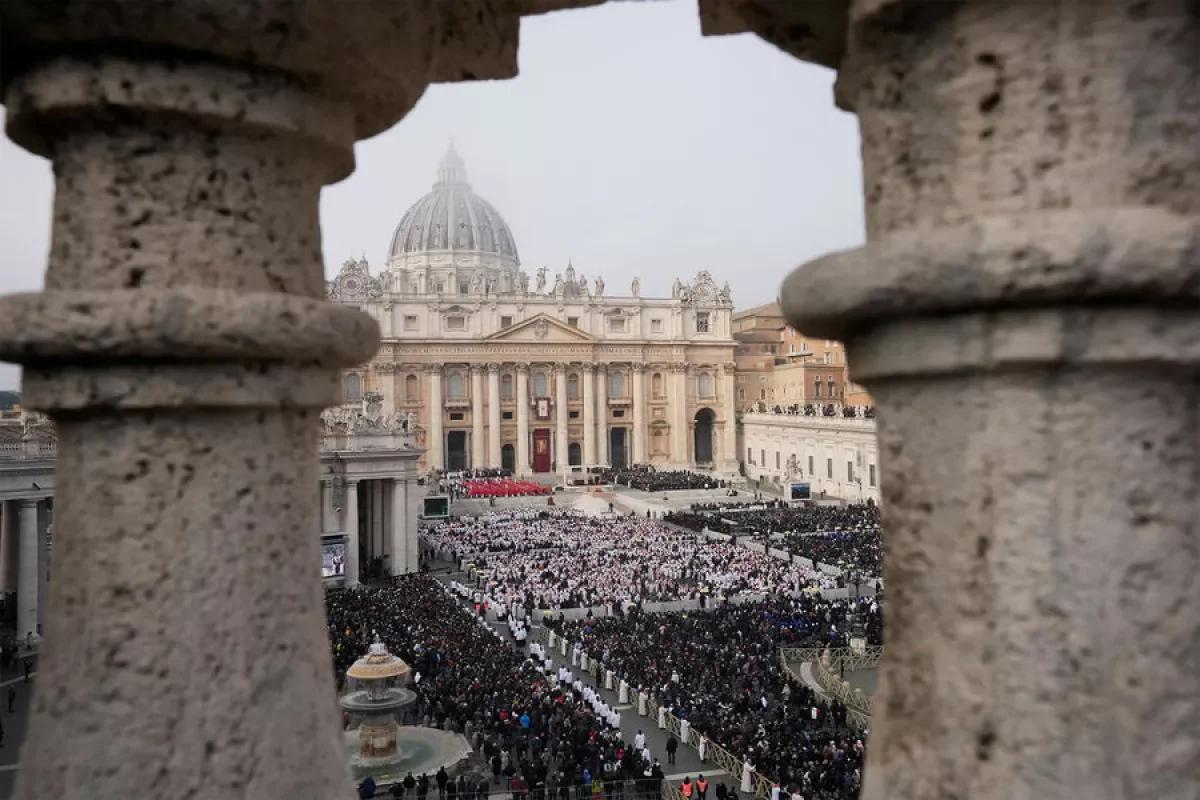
<point x="741" y="378"/>
<point x="817" y="389"/>
<point x="702" y="322"/>
<point x="850" y="472"/>
<point x="829" y="468"/>
<point x="871" y="473"/>
<point x="762" y="457"/>
<point x="656" y="326"/>
<point x="506" y="415"/>
<point x="619" y="413"/>
<point x="810" y="466"/>
<point x="456" y="416"/>
<point x="463" y="287"/>
<point x="410" y="322"/>
<point x="741" y="394"/>
<point x="749" y="456"/>
<point x="791" y="348"/>
<point x="412" y="288"/>
<point x="573" y="322"/>
<point x="506" y="322"/>
<point x="573" y="414"/>
<point x="776" y="459"/>
<point x="441" y="287"/>
<point x="828" y="358"/>
<point x="456" y="323"/>
<point x="616" y="325"/>
<point x="762" y="394"/>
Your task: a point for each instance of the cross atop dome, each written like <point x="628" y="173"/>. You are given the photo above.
<point x="451" y="170"/>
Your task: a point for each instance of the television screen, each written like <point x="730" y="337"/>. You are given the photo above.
<point x="437" y="506"/>
<point x="333" y="559"/>
<point x="801" y="491"/>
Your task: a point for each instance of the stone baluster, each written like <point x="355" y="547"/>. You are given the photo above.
<point x="184" y="350"/>
<point x="1025" y="314"/>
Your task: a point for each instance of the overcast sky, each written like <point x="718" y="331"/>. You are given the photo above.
<point x="629" y="144"/>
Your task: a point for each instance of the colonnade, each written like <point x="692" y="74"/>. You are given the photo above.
<point x="378" y="517"/>
<point x="24" y="560"/>
<point x="593" y="399"/>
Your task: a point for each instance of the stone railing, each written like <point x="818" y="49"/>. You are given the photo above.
<point x="770" y="418"/>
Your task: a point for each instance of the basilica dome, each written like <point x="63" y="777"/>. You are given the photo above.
<point x="452" y="224"/>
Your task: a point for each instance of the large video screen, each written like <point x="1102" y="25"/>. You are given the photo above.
<point x="333" y="559"/>
<point x="436" y="506"/>
<point x="801" y="491"/>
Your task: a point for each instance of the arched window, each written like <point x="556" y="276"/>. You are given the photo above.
<point x="539" y="385"/>
<point x="704" y="385"/>
<point x="353" y="388"/>
<point x="616" y="385"/>
<point x="656" y="385"/>
<point x="455" y="390"/>
<point x="410" y="389"/>
<point x="572" y="386"/>
<point x="506" y="387"/>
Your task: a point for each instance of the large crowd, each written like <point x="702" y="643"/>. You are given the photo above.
<point x="722" y="672"/>
<point x="559" y="559"/>
<point x="649" y="479"/>
<point x="533" y="732"/>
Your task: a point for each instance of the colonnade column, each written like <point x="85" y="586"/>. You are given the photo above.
<point x="27" y="581"/>
<point x="478" y="442"/>
<point x="435" y="442"/>
<point x="727" y="380"/>
<point x="400" y="529"/>
<point x="560" y="417"/>
<point x="1025" y="315"/>
<point x="589" y="414"/>
<point x="351" y="533"/>
<point x="601" y="401"/>
<point x="638" y="374"/>
<point x="522" y="419"/>
<point x="9" y="547"/>
<point x="679" y="416"/>
<point x="493" y="403"/>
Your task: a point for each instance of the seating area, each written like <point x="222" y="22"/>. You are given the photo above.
<point x="649" y="479"/>
<point x="502" y="487"/>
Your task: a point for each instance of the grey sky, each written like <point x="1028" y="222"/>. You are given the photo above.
<point x="629" y="144"/>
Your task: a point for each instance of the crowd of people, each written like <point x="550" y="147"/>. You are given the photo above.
<point x="536" y="735"/>
<point x="649" y="479"/>
<point x="816" y="410"/>
<point x="721" y="670"/>
<point x="502" y="487"/>
<point x="858" y="549"/>
<point x="560" y="559"/>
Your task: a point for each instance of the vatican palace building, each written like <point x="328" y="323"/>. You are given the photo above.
<point x="537" y="375"/>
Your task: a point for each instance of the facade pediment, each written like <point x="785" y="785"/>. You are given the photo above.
<point x="542" y="328"/>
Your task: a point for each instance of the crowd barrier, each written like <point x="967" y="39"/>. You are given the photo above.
<point x="827" y="667"/>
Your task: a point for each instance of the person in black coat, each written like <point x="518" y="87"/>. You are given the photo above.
<point x="672" y="746"/>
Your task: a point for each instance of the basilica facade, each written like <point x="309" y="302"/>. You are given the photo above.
<point x="537" y="376"/>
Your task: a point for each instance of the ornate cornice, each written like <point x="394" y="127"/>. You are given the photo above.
<point x="493" y="368"/>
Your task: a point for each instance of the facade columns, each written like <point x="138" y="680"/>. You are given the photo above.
<point x="522" y="419"/>
<point x="400" y="529"/>
<point x="589" y="414"/>
<point x="726" y="378"/>
<point x="560" y="417"/>
<point x="352" y="568"/>
<point x="493" y="404"/>
<point x="601" y="401"/>
<point x="478" y="442"/>
<point x="29" y="580"/>
<point x="679" y="415"/>
<point x="638" y="375"/>
<point x="435" y="443"/>
<point x="9" y="547"/>
<point x="1025" y="315"/>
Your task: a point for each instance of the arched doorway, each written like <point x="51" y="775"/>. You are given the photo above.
<point x="703" y="445"/>
<point x="574" y="454"/>
<point x="508" y="458"/>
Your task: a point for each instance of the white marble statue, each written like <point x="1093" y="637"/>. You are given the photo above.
<point x="636" y="288"/>
<point x="541" y="279"/>
<point x="600" y="286"/>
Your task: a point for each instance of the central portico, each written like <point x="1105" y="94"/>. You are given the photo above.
<point x="536" y="379"/>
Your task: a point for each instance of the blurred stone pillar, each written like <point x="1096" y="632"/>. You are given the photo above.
<point x="184" y="350"/>
<point x="1026" y="315"/>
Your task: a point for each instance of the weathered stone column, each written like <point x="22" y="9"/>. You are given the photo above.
<point x="561" y="441"/>
<point x="478" y="440"/>
<point x="601" y="400"/>
<point x="1026" y="315"/>
<point x="352" y="567"/>
<point x="9" y="547"/>
<point x="28" y="583"/>
<point x="493" y="399"/>
<point x="589" y="414"/>
<point x="638" y="375"/>
<point x="183" y="348"/>
<point x="435" y="444"/>
<point x="522" y="379"/>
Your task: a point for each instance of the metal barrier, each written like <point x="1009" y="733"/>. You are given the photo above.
<point x="828" y="665"/>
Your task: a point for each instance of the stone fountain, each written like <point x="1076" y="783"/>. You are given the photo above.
<point x="377" y="745"/>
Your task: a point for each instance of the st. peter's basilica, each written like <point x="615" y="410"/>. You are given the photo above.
<point x="533" y="376"/>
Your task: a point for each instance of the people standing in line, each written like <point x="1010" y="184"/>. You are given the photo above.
<point x="701" y="787"/>
<point x="672" y="746"/>
<point x="686" y="788"/>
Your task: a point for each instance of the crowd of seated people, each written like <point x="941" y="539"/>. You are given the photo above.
<point x="649" y="479"/>
<point x="721" y="671"/>
<point x="503" y="487"/>
<point x="778" y="517"/>
<point x="556" y="558"/>
<point x="856" y="549"/>
<point x="535" y="733"/>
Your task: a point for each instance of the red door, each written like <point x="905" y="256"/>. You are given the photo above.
<point x="541" y="450"/>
